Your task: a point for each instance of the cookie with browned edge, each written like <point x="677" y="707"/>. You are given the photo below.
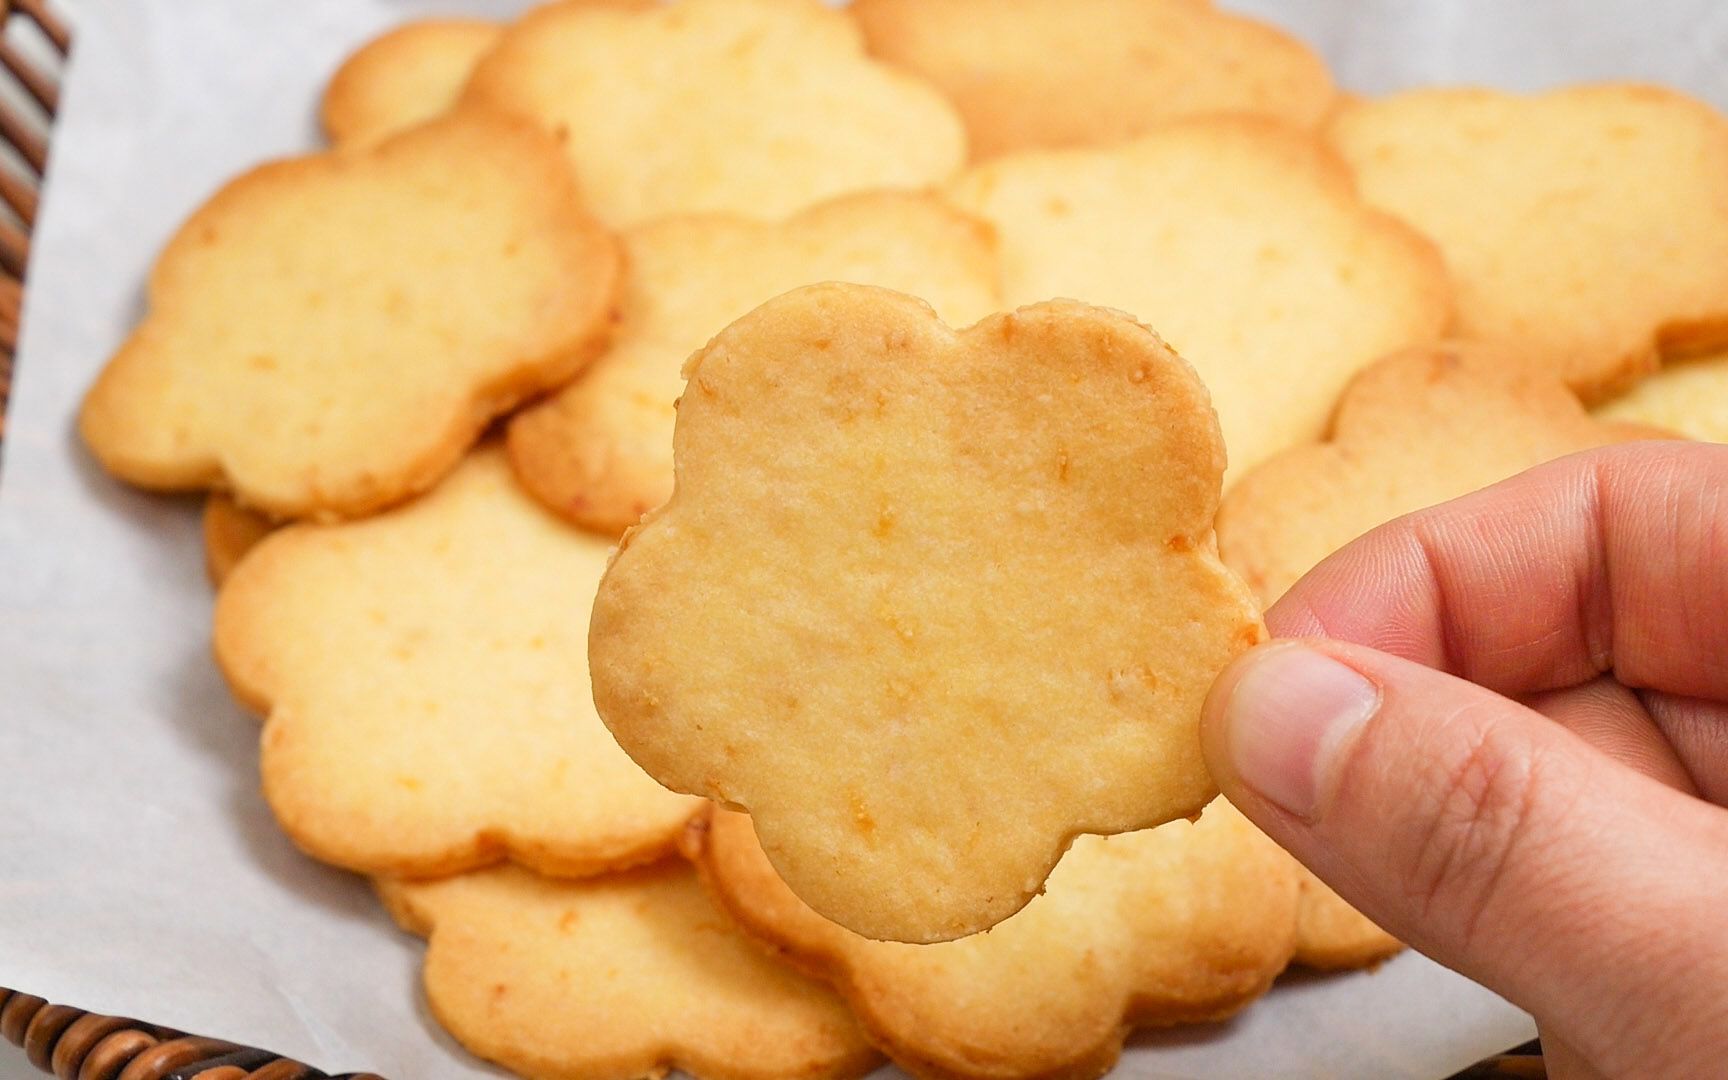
<point x="1046" y="73"/>
<point x="618" y="978"/>
<point x="753" y="107"/>
<point x="1242" y="241"/>
<point x="328" y="334"/>
<point x="929" y="603"/>
<point x="426" y="706"/>
<point x="1184" y="923"/>
<point x="1585" y="228"/>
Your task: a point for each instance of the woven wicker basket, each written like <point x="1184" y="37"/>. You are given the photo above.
<point x="24" y="131"/>
<point x="70" y="1043"/>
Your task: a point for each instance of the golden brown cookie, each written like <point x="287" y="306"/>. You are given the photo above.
<point x="928" y="603"/>
<point x="427" y="706"/>
<point x="328" y="334"/>
<point x="1333" y="936"/>
<point x="1587" y="227"/>
<point x="1242" y="241"/>
<point x="1689" y="397"/>
<point x="600" y="451"/>
<point x="402" y="78"/>
<point x="617" y="978"/>
<point x="230" y="531"/>
<point x="1414" y="430"/>
<point x="1179" y="924"/>
<point x="753" y="107"/>
<point x="1044" y="73"/>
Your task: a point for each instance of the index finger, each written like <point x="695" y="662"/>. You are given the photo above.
<point x="1613" y="560"/>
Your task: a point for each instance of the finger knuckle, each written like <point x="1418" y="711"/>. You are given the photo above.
<point x="1469" y="817"/>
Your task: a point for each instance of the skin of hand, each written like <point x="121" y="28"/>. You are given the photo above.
<point x="1499" y="727"/>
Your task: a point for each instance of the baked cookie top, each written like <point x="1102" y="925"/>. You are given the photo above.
<point x="929" y="603"/>
<point x="618" y="978"/>
<point x="1586" y="227"/>
<point x="426" y="706"/>
<point x="1047" y="73"/>
<point x="1184" y="923"/>
<point x="1688" y="397"/>
<point x="411" y="74"/>
<point x="1242" y="241"/>
<point x="753" y="107"/>
<point x="328" y="334"/>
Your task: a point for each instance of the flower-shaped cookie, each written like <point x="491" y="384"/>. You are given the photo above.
<point x="329" y="334"/>
<point x="1179" y="924"/>
<point x="427" y="707"/>
<point x="618" y="978"/>
<point x="1242" y="241"/>
<point x="754" y="107"/>
<point x="928" y="603"/>
<point x="600" y="451"/>
<point x="1039" y="73"/>
<point x="1587" y="227"/>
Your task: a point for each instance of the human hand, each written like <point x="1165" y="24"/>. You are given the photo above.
<point x="1502" y="734"/>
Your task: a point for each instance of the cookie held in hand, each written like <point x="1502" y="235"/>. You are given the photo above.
<point x="427" y="711"/>
<point x="328" y="334"/>
<point x="617" y="978"/>
<point x="1184" y="923"/>
<point x="928" y="603"/>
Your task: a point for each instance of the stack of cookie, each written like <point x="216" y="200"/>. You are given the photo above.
<point x="429" y="376"/>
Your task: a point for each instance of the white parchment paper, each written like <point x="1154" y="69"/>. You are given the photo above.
<point x="139" y="870"/>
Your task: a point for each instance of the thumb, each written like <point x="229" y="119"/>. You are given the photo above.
<point x="1491" y="839"/>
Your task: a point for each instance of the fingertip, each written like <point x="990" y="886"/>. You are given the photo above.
<point x="1279" y="719"/>
<point x="1214" y="724"/>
